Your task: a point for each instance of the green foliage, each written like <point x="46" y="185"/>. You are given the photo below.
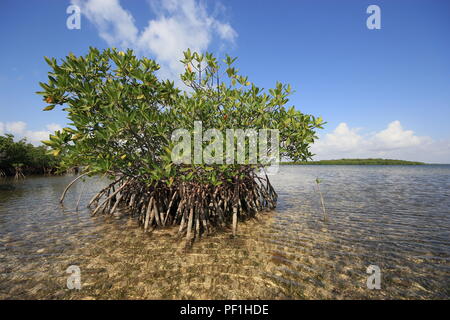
<point x="122" y="116"/>
<point x="20" y="154"/>
<point x="369" y="161"/>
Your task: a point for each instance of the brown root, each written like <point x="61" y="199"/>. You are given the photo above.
<point x="198" y="208"/>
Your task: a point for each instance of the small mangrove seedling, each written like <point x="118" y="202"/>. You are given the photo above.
<point x="325" y="217"/>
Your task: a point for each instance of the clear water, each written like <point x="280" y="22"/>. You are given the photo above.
<point x="395" y="217"/>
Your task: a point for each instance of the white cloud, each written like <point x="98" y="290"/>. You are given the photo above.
<point x="115" y="25"/>
<point x="19" y="130"/>
<point x="394" y="137"/>
<point x="344" y="137"/>
<point x="53" y="127"/>
<point x="177" y="26"/>
<point x="35" y="137"/>
<point x="393" y="142"/>
<point x="17" y="127"/>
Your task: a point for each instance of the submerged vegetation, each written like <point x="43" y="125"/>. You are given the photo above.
<point x="368" y="161"/>
<point x="122" y="120"/>
<point x="20" y="158"/>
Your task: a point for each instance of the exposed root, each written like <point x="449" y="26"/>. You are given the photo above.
<point x="19" y="173"/>
<point x="69" y="185"/>
<point x="197" y="208"/>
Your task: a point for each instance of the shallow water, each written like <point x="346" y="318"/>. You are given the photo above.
<point x="395" y="217"/>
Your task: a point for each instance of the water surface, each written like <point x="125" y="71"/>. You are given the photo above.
<point x="395" y="217"/>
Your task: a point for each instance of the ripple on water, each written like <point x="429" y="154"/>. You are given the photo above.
<point x="394" y="217"/>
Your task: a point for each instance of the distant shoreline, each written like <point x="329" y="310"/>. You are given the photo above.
<point x="369" y="161"/>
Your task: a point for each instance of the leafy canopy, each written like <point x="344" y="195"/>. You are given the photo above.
<point x="122" y="115"/>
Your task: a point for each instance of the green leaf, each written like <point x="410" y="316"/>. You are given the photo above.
<point x="48" y="108"/>
<point x="48" y="142"/>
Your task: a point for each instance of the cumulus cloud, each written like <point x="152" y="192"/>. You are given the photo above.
<point x="15" y="127"/>
<point x="394" y="137"/>
<point x="19" y="130"/>
<point x="344" y="137"/>
<point x="392" y="142"/>
<point x="114" y="24"/>
<point x="177" y="26"/>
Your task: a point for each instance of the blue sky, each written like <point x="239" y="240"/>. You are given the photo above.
<point x="383" y="92"/>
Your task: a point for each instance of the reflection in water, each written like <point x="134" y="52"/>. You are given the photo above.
<point x="392" y="216"/>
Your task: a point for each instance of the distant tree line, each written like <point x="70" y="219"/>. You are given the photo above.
<point x="369" y="161"/>
<point x="20" y="158"/>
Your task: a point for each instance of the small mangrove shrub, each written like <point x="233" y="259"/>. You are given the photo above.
<point x="122" y="124"/>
